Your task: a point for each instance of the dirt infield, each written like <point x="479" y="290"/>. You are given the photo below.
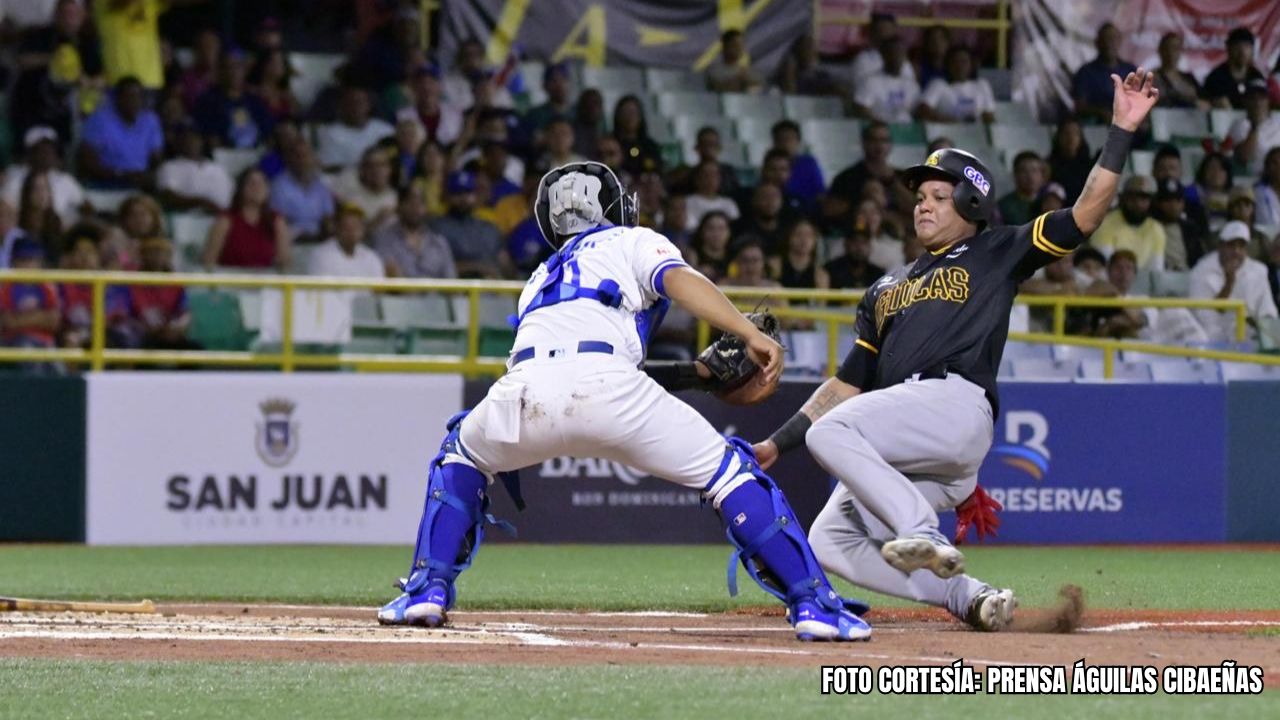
<point x="902" y="637"/>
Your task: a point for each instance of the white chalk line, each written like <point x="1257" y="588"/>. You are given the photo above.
<point x="1158" y="625"/>
<point x="373" y="611"/>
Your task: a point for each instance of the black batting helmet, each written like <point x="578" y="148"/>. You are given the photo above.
<point x="973" y="195"/>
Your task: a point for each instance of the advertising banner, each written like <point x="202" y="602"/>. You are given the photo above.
<point x="194" y="458"/>
<point x="1109" y="463"/>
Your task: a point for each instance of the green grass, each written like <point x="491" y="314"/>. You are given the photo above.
<point x="81" y="689"/>
<point x="605" y="577"/>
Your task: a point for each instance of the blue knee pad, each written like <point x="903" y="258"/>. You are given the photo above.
<point x="453" y="518"/>
<point x="769" y="541"/>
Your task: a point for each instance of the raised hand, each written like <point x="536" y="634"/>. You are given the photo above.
<point x="1134" y="98"/>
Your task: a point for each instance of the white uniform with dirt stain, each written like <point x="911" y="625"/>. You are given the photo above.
<point x="591" y="404"/>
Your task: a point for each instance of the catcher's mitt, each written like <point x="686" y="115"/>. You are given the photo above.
<point x="733" y="373"/>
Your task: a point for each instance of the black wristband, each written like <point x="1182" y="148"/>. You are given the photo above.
<point x="1115" y="150"/>
<point x="791" y="434"/>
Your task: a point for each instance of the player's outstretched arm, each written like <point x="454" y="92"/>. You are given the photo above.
<point x="1135" y="95"/>
<point x="695" y="293"/>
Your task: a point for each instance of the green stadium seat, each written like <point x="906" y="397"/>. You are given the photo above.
<point x="425" y="341"/>
<point x="250" y="308"/>
<point x="803" y="107"/>
<point x="216" y="321"/>
<point x="372" y="341"/>
<point x="660" y="80"/>
<point x="831" y="131"/>
<point x="496" y="342"/>
<point x="967" y="136"/>
<point x="910" y="133"/>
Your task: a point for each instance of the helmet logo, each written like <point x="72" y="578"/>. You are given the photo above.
<point x="933" y="158"/>
<point x="977" y="179"/>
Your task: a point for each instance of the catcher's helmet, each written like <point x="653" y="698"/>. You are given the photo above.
<point x="973" y="195"/>
<point x="579" y="196"/>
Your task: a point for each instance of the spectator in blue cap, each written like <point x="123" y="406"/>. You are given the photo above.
<point x="476" y="245"/>
<point x="559" y="105"/>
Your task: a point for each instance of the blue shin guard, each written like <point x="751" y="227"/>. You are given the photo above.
<point x="769" y="541"/>
<point x="449" y="535"/>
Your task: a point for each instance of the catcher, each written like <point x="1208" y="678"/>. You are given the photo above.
<point x="574" y="386"/>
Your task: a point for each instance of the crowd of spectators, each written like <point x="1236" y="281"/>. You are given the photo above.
<point x="412" y="165"/>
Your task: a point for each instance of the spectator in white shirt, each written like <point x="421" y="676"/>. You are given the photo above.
<point x="41" y="145"/>
<point x="1267" y="191"/>
<point x="891" y="94"/>
<point x="1231" y="273"/>
<point x="1259" y="131"/>
<point x="339" y="145"/>
<point x="706" y="196"/>
<point x="345" y="254"/>
<point x="191" y="181"/>
<point x="883" y="28"/>
<point x="962" y="96"/>
<point x="368" y="186"/>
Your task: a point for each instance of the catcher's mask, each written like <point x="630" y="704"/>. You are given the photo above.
<point x="974" y="196"/>
<point x="579" y="196"/>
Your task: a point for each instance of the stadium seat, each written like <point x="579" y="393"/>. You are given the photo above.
<point x="1221" y="120"/>
<point x="1044" y="370"/>
<point x="660" y="80"/>
<point x="371" y="342"/>
<point x="806" y="353"/>
<point x="365" y="311"/>
<point x="1132" y="372"/>
<point x="216" y="321"/>
<point x="188" y="230"/>
<point x="1170" y="283"/>
<point x="902" y="156"/>
<point x="1183" y="371"/>
<point x="1233" y="371"/>
<point x="831" y="130"/>
<point x="765" y="107"/>
<point x="1014" y="350"/>
<point x="1191" y="157"/>
<point x="1006" y="369"/>
<point x="685" y="128"/>
<point x="616" y="78"/>
<point x="909" y="133"/>
<point x="1141" y="162"/>
<point x="832" y="158"/>
<point x="705" y="104"/>
<point x="652" y="113"/>
<point x="312" y="71"/>
<point x="1009" y="140"/>
<point x="417" y="311"/>
<point x="1015" y="113"/>
<point x="755" y="131"/>
<point x="106" y="202"/>
<point x="803" y="107"/>
<point x="1168" y="124"/>
<point x="1075" y="352"/>
<point x="235" y="161"/>
<point x="964" y="135"/>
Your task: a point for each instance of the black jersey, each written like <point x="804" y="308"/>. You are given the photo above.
<point x="948" y="312"/>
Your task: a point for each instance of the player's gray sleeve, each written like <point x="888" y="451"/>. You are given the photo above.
<point x="847" y="540"/>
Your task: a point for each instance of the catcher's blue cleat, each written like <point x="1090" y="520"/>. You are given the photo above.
<point x="815" y="622"/>
<point x="427" y="606"/>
